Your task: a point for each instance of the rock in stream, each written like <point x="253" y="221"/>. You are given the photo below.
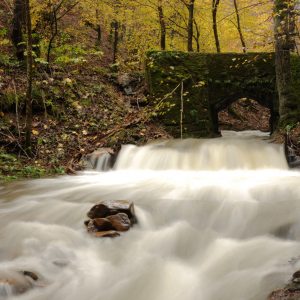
<point x="108" y="218"/>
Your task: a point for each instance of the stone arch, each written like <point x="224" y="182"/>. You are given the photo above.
<point x="211" y="82"/>
<point x="266" y="101"/>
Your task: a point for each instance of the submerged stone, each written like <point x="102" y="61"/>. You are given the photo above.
<point x="16" y="283"/>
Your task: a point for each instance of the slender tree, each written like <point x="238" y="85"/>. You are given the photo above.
<point x="96" y="27"/>
<point x="162" y="26"/>
<point x="115" y="26"/>
<point x="215" y="4"/>
<point x="284" y="41"/>
<point x="17" y="28"/>
<point x="239" y="28"/>
<point x="56" y="13"/>
<point x="191" y="7"/>
<point x="197" y="35"/>
<point x="29" y="78"/>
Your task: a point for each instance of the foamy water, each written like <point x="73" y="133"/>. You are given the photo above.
<point x="214" y="228"/>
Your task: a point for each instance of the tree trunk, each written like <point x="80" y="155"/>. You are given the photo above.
<point x="239" y="25"/>
<point x="197" y="36"/>
<point x="17" y="28"/>
<point x="116" y="40"/>
<point x="162" y="27"/>
<point x="29" y="79"/>
<point x="284" y="42"/>
<point x="54" y="32"/>
<point x="191" y="6"/>
<point x="98" y="30"/>
<point x="215" y="4"/>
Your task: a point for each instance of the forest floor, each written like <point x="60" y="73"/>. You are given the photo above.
<point x="75" y="113"/>
<point x="82" y="108"/>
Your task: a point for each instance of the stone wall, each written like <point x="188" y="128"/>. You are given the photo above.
<point x="211" y="83"/>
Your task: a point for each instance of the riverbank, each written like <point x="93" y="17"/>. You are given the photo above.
<point x="77" y="112"/>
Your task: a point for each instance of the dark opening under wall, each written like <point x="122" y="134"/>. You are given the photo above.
<point x="245" y="114"/>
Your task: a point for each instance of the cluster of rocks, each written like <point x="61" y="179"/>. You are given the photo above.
<point x="290" y="292"/>
<point x="109" y="218"/>
<point x="17" y="282"/>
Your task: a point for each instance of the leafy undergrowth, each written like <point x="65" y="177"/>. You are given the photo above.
<point x="75" y="113"/>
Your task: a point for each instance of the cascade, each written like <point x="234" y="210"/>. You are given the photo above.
<point x="217" y="219"/>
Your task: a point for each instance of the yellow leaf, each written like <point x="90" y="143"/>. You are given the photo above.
<point x="35" y="132"/>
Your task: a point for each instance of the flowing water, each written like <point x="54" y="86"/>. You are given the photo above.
<point x="217" y="220"/>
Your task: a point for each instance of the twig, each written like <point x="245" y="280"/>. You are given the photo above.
<point x="168" y="95"/>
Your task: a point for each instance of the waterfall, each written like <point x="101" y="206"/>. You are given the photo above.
<point x="226" y="153"/>
<point x="218" y="219"/>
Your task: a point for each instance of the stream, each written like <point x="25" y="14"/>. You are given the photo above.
<point x="218" y="219"/>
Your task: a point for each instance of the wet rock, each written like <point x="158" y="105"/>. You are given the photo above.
<point x="108" y="218"/>
<point x="16" y="283"/>
<point x="91" y="227"/>
<point x="108" y="208"/>
<point x="101" y="159"/>
<point x="31" y="275"/>
<point x="103" y="224"/>
<point x="99" y="224"/>
<point x="284" y="294"/>
<point x="290" y="292"/>
<point x="296" y="277"/>
<point x="120" y="221"/>
<point x="109" y="233"/>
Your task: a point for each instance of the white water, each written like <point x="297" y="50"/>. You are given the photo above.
<point x="226" y="232"/>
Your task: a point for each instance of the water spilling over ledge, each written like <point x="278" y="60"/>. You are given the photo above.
<point x="205" y="154"/>
<point x="224" y="227"/>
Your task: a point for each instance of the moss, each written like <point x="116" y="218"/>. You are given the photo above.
<point x="165" y="72"/>
<point x="213" y="82"/>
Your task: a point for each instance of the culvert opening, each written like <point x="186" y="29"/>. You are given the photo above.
<point x="245" y="114"/>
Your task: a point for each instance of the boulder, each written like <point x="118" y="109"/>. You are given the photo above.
<point x="102" y="159"/>
<point x="108" y="208"/>
<point x="290" y="292"/>
<point x="16" y="283"/>
<point x="284" y="294"/>
<point x="120" y="221"/>
<point x="108" y="233"/>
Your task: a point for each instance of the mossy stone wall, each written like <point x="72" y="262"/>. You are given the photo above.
<point x="211" y="83"/>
